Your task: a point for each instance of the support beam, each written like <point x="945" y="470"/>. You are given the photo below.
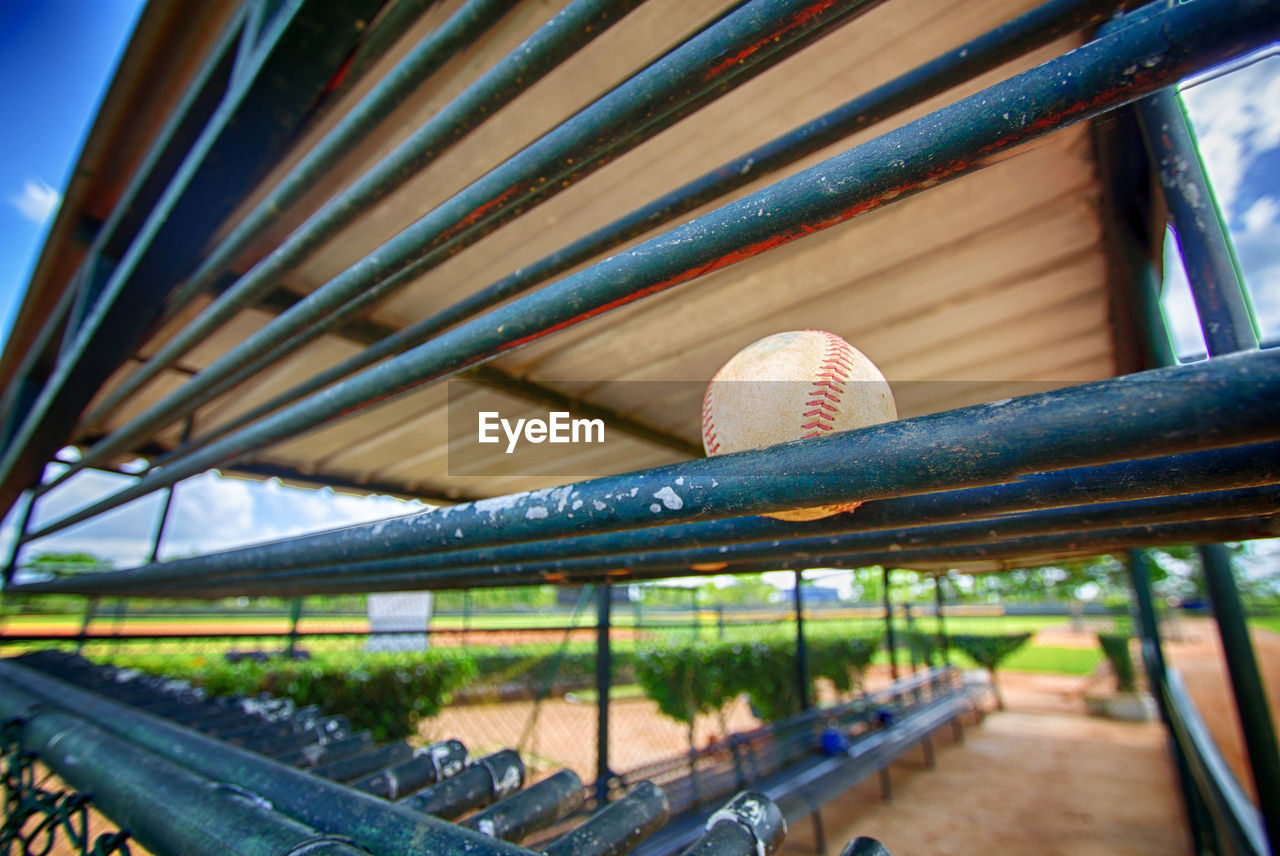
<point x="890" y="642"/>
<point x="604" y="680"/>
<point x="1222" y="303"/>
<point x="1252" y="708"/>
<point x="1148" y="626"/>
<point x="803" y="679"/>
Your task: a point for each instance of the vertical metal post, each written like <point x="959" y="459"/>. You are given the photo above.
<point x="697" y="619"/>
<point x="912" y="640"/>
<point x="1212" y="269"/>
<point x="24" y="520"/>
<point x="1250" y="694"/>
<point x="944" y="643"/>
<point x="720" y="621"/>
<point x="604" y="604"/>
<point x="466" y="615"/>
<point x="90" y="609"/>
<point x="295" y="612"/>
<point x="889" y="641"/>
<point x="1153" y="660"/>
<point x="802" y="650"/>
<point x="164" y="509"/>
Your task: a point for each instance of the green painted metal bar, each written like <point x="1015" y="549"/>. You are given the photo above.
<point x="1232" y="819"/>
<point x="1020" y="35"/>
<point x="1256" y="724"/>
<point x="198" y="817"/>
<point x="728" y="53"/>
<point x="617" y="829"/>
<point x="944" y="641"/>
<point x="890" y="643"/>
<point x="526" y="811"/>
<point x="1227" y="401"/>
<point x="1148" y="623"/>
<point x="486" y="781"/>
<point x="803" y="679"/>
<point x="945" y="144"/>
<point x="251" y="126"/>
<point x="381" y="828"/>
<point x="20" y="536"/>
<point x="604" y="683"/>
<point x="462" y="28"/>
<point x="295" y="613"/>
<point x="1213" y="271"/>
<point x="542" y="561"/>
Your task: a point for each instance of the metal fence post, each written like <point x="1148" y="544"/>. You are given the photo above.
<point x="889" y="641"/>
<point x="1250" y="694"/>
<point x="802" y="650"/>
<point x="19" y="534"/>
<point x="1148" y="626"/>
<point x="604" y="603"/>
<point x="944" y="643"/>
<point x="295" y="612"/>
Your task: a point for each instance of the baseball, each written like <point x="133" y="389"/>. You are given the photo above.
<point x="789" y="386"/>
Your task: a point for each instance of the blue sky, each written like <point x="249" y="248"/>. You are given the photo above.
<point x="55" y="59"/>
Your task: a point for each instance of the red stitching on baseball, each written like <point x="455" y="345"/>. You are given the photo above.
<point x="837" y="362"/>
<point x="708" y="428"/>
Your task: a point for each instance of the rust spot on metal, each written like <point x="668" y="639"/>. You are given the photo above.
<point x="800" y="19"/>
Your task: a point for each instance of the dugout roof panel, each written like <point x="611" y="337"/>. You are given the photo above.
<point x="987" y="286"/>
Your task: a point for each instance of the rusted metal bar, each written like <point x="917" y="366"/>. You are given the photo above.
<point x="379" y="827"/>
<point x="1147" y="54"/>
<point x="487" y="780"/>
<point x="1023" y="34"/>
<point x="728" y="53"/>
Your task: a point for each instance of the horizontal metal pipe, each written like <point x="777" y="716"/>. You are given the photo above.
<point x="1010" y="552"/>
<point x="1060" y="544"/>
<point x="1226" y="401"/>
<point x="1021" y="35"/>
<point x="729" y="52"/>
<point x="542" y="562"/>
<point x="618" y="828"/>
<point x="427" y="765"/>
<point x="363" y="763"/>
<point x="1257" y="467"/>
<point x="1144" y="56"/>
<point x="167" y="809"/>
<point x="525" y="812"/>
<point x="379" y="827"/>
<point x="461" y="29"/>
<point x="486" y="781"/>
<point x="748" y="825"/>
<point x="810" y="551"/>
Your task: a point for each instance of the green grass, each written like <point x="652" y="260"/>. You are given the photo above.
<point x="1270" y="622"/>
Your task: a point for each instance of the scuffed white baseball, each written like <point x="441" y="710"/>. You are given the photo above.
<point x="789" y="386"/>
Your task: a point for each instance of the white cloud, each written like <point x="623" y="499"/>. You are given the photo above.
<point x="36" y="201"/>
<point x="1236" y="117"/>
<point x="209" y="513"/>
<point x="1263" y="214"/>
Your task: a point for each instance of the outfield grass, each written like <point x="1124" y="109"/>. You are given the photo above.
<point x="1270" y="622"/>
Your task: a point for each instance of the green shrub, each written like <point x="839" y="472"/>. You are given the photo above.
<point x="923" y="645"/>
<point x="687" y="680"/>
<point x="386" y="693"/>
<point x="1116" y="647"/>
<point x="989" y="652"/>
<point x="841" y="659"/>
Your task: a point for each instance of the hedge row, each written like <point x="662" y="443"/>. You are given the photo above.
<point x="388" y="693"/>
<point x="686" y="681"/>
